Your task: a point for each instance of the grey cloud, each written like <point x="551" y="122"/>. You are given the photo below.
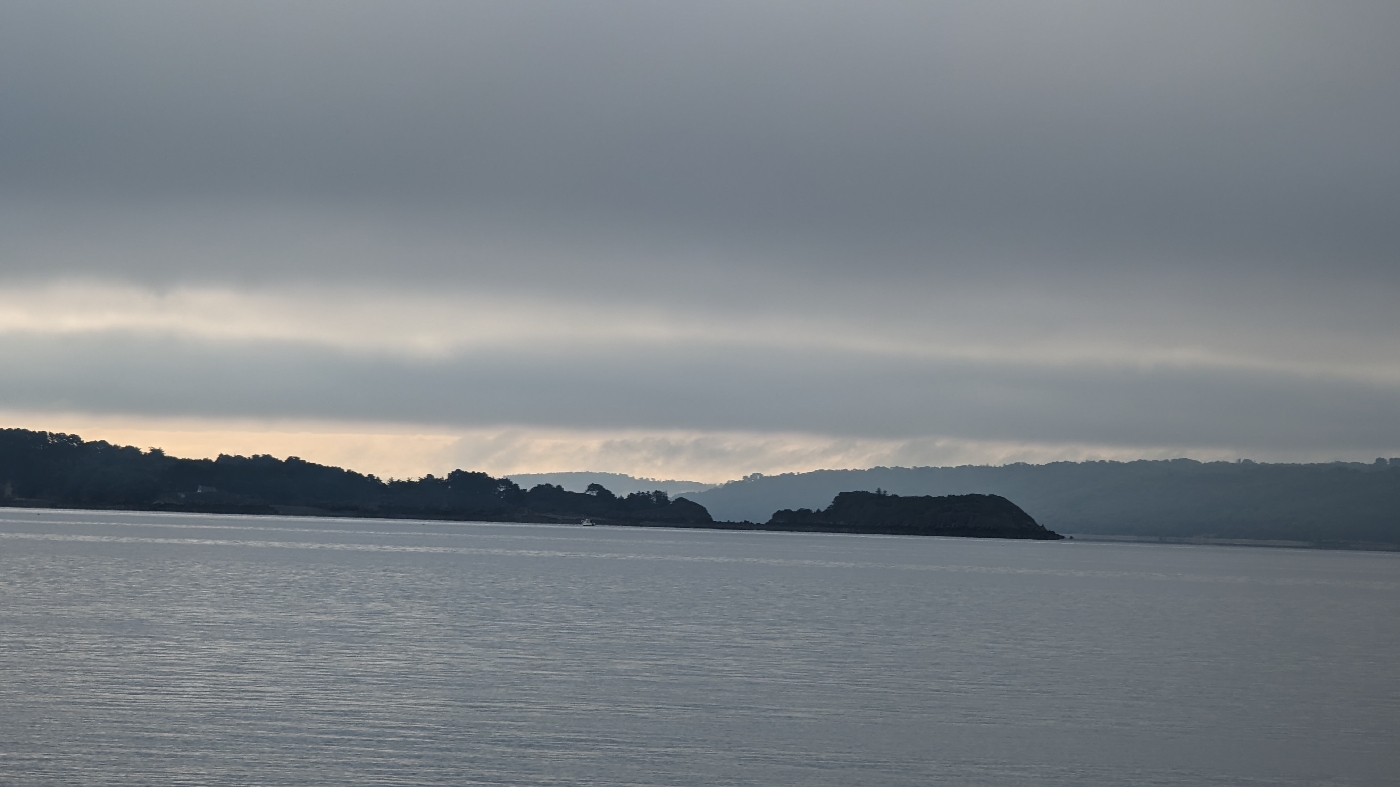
<point x="1192" y="176"/>
<point x="1103" y="135"/>
<point x="823" y="393"/>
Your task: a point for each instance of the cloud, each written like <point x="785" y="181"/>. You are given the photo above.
<point x="1129" y="227"/>
<point x="1252" y="135"/>
<point x="706" y="388"/>
<point x="1308" y="332"/>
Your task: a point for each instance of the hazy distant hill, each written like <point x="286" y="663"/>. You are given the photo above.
<point x="1335" y="502"/>
<point x="617" y="482"/>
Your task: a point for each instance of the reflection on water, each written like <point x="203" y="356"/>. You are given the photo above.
<point x="146" y="648"/>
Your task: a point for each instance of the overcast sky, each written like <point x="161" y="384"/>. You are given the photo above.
<point x="703" y="239"/>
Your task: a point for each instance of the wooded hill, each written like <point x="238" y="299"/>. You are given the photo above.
<point x="968" y="516"/>
<point x="48" y="469"/>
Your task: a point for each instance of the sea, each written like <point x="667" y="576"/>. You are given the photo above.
<point x="155" y="649"/>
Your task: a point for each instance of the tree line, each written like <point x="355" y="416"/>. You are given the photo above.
<point x="47" y="468"/>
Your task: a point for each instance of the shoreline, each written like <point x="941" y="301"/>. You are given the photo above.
<point x="1350" y="546"/>
<point x="310" y="513"/>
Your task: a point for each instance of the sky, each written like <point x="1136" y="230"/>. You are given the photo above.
<point x="703" y="240"/>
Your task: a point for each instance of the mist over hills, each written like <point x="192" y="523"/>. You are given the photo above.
<point x="1182" y="498"/>
<point x="619" y="483"/>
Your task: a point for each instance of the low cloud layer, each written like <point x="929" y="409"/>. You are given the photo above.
<point x="698" y="387"/>
<point x="835" y="231"/>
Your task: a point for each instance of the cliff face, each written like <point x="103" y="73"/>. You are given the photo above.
<point x="976" y="516"/>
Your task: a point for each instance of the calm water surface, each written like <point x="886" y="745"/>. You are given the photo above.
<point x="154" y="649"/>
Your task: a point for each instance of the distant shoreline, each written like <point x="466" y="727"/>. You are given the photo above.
<point x="1351" y="546"/>
<point x="308" y="513"/>
<point x="390" y="516"/>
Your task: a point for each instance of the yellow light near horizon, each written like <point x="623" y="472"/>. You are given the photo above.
<point x="382" y="451"/>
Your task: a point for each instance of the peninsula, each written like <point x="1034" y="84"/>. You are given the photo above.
<point x="973" y="516"/>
